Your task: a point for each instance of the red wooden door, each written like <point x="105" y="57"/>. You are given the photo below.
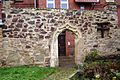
<point x="70" y="43"/>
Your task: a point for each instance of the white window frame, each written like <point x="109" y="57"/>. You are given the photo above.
<point x="64" y="2"/>
<point x="98" y="0"/>
<point x="53" y="2"/>
<point x="110" y="0"/>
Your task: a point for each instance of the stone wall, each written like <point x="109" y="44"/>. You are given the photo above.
<point x="27" y="33"/>
<point x="1" y="49"/>
<point x="0" y="37"/>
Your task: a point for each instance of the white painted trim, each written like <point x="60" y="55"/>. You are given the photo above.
<point x="110" y="0"/>
<point x="50" y="2"/>
<point x="64" y="3"/>
<point x="98" y="0"/>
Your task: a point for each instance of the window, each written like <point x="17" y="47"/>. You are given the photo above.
<point x="50" y="4"/>
<point x="18" y="0"/>
<point x="64" y="4"/>
<point x="110" y="1"/>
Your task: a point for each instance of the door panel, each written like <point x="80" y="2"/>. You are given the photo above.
<point x="70" y="45"/>
<point x="61" y="44"/>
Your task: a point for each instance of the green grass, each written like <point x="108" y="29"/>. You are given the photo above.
<point x="25" y="73"/>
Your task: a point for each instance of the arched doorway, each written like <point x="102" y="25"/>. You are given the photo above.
<point x="66" y="48"/>
<point x="54" y="50"/>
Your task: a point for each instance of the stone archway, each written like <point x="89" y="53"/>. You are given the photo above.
<point x="54" y="61"/>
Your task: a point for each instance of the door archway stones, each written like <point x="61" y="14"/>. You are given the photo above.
<point x="79" y="44"/>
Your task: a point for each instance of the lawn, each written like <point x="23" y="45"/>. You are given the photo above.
<point x="25" y="73"/>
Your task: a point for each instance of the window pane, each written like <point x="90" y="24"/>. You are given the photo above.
<point x="110" y="1"/>
<point x="49" y="0"/>
<point x="63" y="0"/>
<point x="64" y="6"/>
<point x="50" y="5"/>
<point x="18" y="0"/>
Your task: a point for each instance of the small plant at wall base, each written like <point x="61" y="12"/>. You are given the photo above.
<point x="92" y="56"/>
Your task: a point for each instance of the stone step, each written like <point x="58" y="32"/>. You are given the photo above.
<point x="67" y="65"/>
<point x="65" y="61"/>
<point x="72" y="61"/>
<point x="66" y="57"/>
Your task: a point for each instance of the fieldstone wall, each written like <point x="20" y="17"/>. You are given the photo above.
<point x="0" y="37"/>
<point x="1" y="49"/>
<point x="27" y="33"/>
